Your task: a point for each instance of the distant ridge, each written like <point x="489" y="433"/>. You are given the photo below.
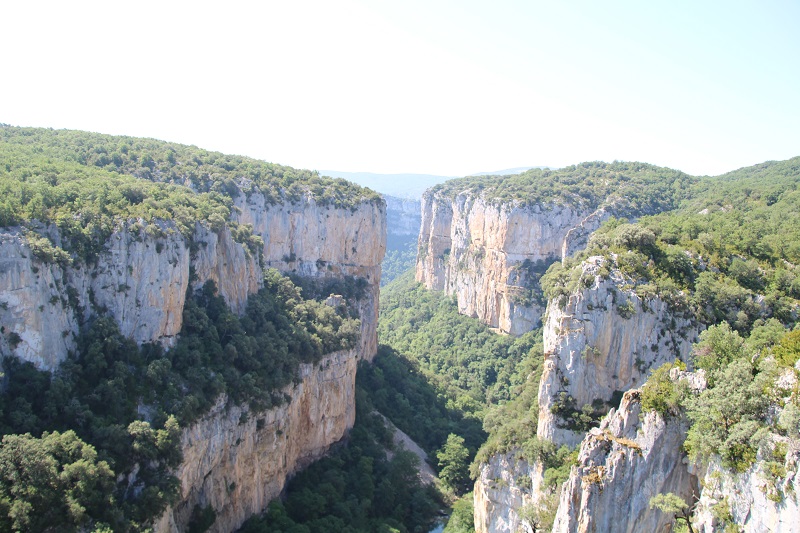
<point x="400" y="185"/>
<point x="408" y="185"/>
<point x="506" y="172"/>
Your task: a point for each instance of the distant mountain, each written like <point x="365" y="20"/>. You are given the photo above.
<point x="408" y="185"/>
<point x="506" y="172"/>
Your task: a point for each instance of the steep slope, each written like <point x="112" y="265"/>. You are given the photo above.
<point x="488" y="239"/>
<point x="632" y="457"/>
<point x="601" y="340"/>
<point x="639" y="296"/>
<point x="237" y="460"/>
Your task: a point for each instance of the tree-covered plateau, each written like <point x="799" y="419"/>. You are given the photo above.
<point x="634" y="188"/>
<point x="88" y="184"/>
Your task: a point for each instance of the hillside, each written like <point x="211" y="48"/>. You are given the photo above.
<point x="713" y="282"/>
<point x="153" y="347"/>
<point x="182" y="331"/>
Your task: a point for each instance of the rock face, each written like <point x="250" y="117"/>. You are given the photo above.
<point x="629" y="459"/>
<point x="600" y="342"/>
<point x="482" y="252"/>
<point x="237" y="461"/>
<point x="505" y="485"/>
<point x="141" y="281"/>
<point x="750" y="499"/>
<point x="142" y="275"/>
<point x="320" y="241"/>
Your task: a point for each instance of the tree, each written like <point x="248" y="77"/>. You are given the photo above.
<point x="718" y="346"/>
<point x="462" y="519"/>
<point x="54" y="482"/>
<point x="454" y="464"/>
<point x="661" y="394"/>
<point x="726" y="419"/>
<point x="540" y="516"/>
<point x="673" y="504"/>
<point x="787" y="352"/>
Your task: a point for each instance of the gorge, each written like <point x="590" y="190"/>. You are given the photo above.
<point x="613" y="346"/>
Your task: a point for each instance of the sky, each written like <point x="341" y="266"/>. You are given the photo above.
<point x="418" y="86"/>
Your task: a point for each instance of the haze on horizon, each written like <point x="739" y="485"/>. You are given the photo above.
<point x="432" y="87"/>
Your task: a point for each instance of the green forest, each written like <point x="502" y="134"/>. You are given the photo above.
<point x="634" y="188"/>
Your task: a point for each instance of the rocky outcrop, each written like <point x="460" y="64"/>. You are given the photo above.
<point x="766" y="496"/>
<point x="506" y="484"/>
<point x="755" y="500"/>
<point x="630" y="458"/>
<point x="237" y="461"/>
<point x="141" y="276"/>
<point x="140" y="280"/>
<point x="601" y="341"/>
<point x="321" y="241"/>
<point x="483" y="253"/>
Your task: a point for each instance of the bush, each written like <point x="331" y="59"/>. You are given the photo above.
<point x="662" y="394"/>
<point x="787" y="351"/>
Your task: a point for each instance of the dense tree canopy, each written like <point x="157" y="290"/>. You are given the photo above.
<point x="634" y="188"/>
<point x="88" y="184"/>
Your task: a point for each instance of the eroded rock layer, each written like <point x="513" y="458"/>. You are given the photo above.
<point x="630" y="458"/>
<point x="237" y="461"/>
<point x="142" y="274"/>
<point x="485" y="253"/>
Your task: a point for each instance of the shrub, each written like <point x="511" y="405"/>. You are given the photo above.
<point x="661" y="394"/>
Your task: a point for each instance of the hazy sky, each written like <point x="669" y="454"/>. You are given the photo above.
<point x="442" y="87"/>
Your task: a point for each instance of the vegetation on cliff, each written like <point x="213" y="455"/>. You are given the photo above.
<point x="88" y="184"/>
<point x="746" y="401"/>
<point x="729" y="255"/>
<point x="123" y="405"/>
<point x="723" y="253"/>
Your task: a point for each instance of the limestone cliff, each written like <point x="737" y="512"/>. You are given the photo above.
<point x="403" y="217"/>
<point x="600" y="341"/>
<point x="753" y="499"/>
<point x="321" y="241"/>
<point x="140" y="280"/>
<point x="630" y="458"/>
<point x="506" y="484"/>
<point x="483" y="253"/>
<point x="142" y="274"/>
<point x="766" y="496"/>
<point x="237" y="461"/>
